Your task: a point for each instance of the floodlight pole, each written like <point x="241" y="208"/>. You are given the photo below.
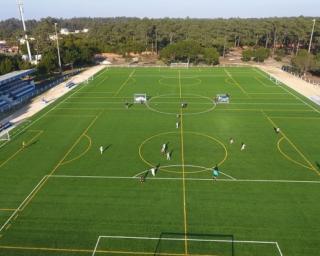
<point x="20" y="5"/>
<point x="310" y="43"/>
<point x="58" y="49"/>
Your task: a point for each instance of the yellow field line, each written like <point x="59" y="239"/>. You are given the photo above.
<point x="295" y="117"/>
<point x="235" y="82"/>
<point x="72" y="250"/>
<point x="22" y="148"/>
<point x="82" y="154"/>
<point x="7" y="210"/>
<point x="131" y="74"/>
<point x="288" y="157"/>
<point x="294" y="146"/>
<point x="58" y="165"/>
<point x="183" y="174"/>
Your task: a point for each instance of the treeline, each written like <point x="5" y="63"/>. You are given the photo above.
<point x="280" y="36"/>
<point x="133" y="34"/>
<point x="12" y="63"/>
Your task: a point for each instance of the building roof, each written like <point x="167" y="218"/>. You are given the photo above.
<point x="15" y="75"/>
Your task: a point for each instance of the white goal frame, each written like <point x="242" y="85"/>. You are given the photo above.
<point x="140" y="98"/>
<point x="5" y="136"/>
<point x="179" y="65"/>
<point x="274" y="80"/>
<point x="271" y="243"/>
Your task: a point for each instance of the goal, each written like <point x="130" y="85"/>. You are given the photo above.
<point x="222" y="99"/>
<point x="274" y="80"/>
<point x="179" y="65"/>
<point x="140" y="98"/>
<point x="4" y="136"/>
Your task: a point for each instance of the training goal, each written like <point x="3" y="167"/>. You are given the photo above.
<point x="222" y="99"/>
<point x="4" y="136"/>
<point x="140" y="98"/>
<point x="179" y="65"/>
<point x="274" y="80"/>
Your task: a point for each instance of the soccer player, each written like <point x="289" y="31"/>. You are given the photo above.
<point x="277" y="130"/>
<point x="101" y="150"/>
<point x="164" y="148"/>
<point x="142" y="179"/>
<point x="177" y="125"/>
<point x="168" y="156"/>
<point x="215" y="172"/>
<point x="126" y="105"/>
<point x="23" y="144"/>
<point x="243" y="146"/>
<point x="231" y="140"/>
<point x="153" y="171"/>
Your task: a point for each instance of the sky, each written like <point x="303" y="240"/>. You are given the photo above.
<point x="36" y="9"/>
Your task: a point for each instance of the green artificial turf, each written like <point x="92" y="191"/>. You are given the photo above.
<point x="60" y="196"/>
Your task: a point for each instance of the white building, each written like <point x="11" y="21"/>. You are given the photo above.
<point x="64" y="31"/>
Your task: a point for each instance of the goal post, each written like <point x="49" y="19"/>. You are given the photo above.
<point x="180" y="244"/>
<point x="140" y="98"/>
<point x="222" y="99"/>
<point x="5" y="136"/>
<point x="274" y="80"/>
<point x="179" y="65"/>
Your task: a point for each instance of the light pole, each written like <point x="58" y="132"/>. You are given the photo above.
<point x="58" y="49"/>
<point x="314" y="23"/>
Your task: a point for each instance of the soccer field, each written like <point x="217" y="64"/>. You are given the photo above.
<point x="60" y="196"/>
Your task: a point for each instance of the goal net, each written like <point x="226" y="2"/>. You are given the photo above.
<point x="274" y="80"/>
<point x="140" y="98"/>
<point x="222" y="99"/>
<point x="4" y="136"/>
<point x="179" y="65"/>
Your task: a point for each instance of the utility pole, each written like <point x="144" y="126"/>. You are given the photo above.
<point x="310" y="43"/>
<point x="58" y="49"/>
<point x="20" y="5"/>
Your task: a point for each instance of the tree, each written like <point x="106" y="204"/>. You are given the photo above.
<point x="247" y="55"/>
<point x="261" y="54"/>
<point x="211" y="56"/>
<point x="304" y="61"/>
<point x="6" y="66"/>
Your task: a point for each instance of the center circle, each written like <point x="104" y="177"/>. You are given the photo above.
<point x="200" y="152"/>
<point x="170" y="104"/>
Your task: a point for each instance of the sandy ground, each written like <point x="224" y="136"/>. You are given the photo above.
<point x="37" y="104"/>
<point x="306" y="89"/>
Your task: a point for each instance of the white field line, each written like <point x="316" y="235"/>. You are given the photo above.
<point x="96" y="246"/>
<point x="278" y="247"/>
<point x="189" y="239"/>
<point x="79" y="87"/>
<point x="20" y="206"/>
<point x="229" y="176"/>
<point x="285" y="89"/>
<point x="189" y="179"/>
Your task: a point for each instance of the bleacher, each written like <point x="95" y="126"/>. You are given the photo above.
<point x="22" y="92"/>
<point x="3" y="105"/>
<point x="15" y="88"/>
